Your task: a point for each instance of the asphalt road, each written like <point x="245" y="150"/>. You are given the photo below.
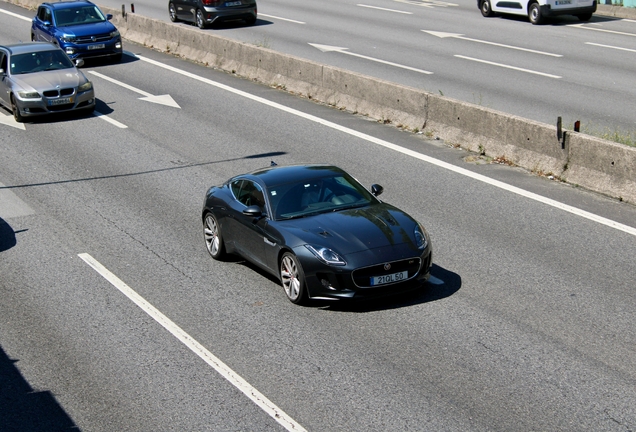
<point x="527" y="323"/>
<point x="579" y="71"/>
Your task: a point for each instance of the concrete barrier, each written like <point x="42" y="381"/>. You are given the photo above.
<point x="590" y="162"/>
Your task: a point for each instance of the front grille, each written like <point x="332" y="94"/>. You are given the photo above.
<point x="93" y="39"/>
<point x="362" y="277"/>
<point x="59" y="92"/>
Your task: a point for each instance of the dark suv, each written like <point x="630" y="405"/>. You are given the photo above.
<point x="204" y="13"/>
<point x="79" y="27"/>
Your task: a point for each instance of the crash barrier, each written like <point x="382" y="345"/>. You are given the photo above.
<point x="593" y="163"/>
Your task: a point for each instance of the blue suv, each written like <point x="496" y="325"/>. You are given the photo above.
<point x="79" y="27"/>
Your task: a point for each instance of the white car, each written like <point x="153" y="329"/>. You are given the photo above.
<point x="537" y="10"/>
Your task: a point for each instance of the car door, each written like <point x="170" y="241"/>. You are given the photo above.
<point x="4" y="77"/>
<point x="183" y="9"/>
<point x="246" y="230"/>
<point x="42" y="24"/>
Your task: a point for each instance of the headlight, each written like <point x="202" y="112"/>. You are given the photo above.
<point x="85" y="87"/>
<point x="114" y="34"/>
<point x="29" y="95"/>
<point x="68" y="38"/>
<point x="420" y="237"/>
<point x="326" y="255"/>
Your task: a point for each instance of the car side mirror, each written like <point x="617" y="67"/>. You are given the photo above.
<point x="46" y="23"/>
<point x="109" y="17"/>
<point x="2" y="72"/>
<point x="253" y="211"/>
<point x="79" y="62"/>
<point x="376" y="189"/>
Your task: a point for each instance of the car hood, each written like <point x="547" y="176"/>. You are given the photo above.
<point x="91" y="29"/>
<point x="39" y="81"/>
<point x="355" y="230"/>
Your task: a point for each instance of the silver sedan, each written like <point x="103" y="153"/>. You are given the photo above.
<point x="38" y="78"/>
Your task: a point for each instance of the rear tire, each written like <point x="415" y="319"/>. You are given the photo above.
<point x="212" y="236"/>
<point x="584" y="17"/>
<point x="250" y="21"/>
<point x="200" y="20"/>
<point x="486" y="9"/>
<point x="534" y="14"/>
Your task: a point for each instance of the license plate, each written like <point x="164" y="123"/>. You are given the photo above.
<point x="96" y="46"/>
<point x="563" y="2"/>
<point x="233" y="3"/>
<point x="61" y="101"/>
<point x="390" y="278"/>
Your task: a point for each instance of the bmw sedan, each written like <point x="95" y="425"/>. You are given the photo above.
<point x="37" y="78"/>
<point x="205" y="13"/>
<point x="317" y="229"/>
<point x="79" y="27"/>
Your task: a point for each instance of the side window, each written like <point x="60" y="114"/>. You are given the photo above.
<point x="42" y="13"/>
<point x="248" y="193"/>
<point x="3" y="62"/>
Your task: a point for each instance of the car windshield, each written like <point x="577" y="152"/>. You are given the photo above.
<point x="319" y="195"/>
<point x="39" y="61"/>
<point x="77" y="16"/>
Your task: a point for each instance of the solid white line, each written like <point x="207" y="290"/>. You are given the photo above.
<point x="386" y="144"/>
<point x="259" y="399"/>
<point x="385" y="9"/>
<point x="16" y="15"/>
<point x="508" y="66"/>
<point x="610" y="46"/>
<point x="109" y="120"/>
<point x="279" y="18"/>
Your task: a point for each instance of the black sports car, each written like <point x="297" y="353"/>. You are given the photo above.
<point x="318" y="230"/>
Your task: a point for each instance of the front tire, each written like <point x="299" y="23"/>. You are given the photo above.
<point x="534" y="14"/>
<point x="486" y="9"/>
<point x="293" y="278"/>
<point x="16" y="111"/>
<point x="212" y="235"/>
<point x="200" y="20"/>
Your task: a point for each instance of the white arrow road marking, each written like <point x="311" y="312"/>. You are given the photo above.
<point x="508" y="67"/>
<point x="581" y="26"/>
<point x="162" y="100"/>
<point x="235" y="379"/>
<point x="609" y="46"/>
<point x="460" y="36"/>
<point x="385" y="9"/>
<point x="328" y="48"/>
<point x="10" y="121"/>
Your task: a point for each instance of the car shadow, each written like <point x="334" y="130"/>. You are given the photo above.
<point x="562" y="20"/>
<point x="23" y="408"/>
<point x="442" y="284"/>
<point x="229" y="25"/>
<point x="7" y="236"/>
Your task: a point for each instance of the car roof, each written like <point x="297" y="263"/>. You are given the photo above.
<point x="69" y="4"/>
<point x="275" y="175"/>
<point x="29" y="47"/>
